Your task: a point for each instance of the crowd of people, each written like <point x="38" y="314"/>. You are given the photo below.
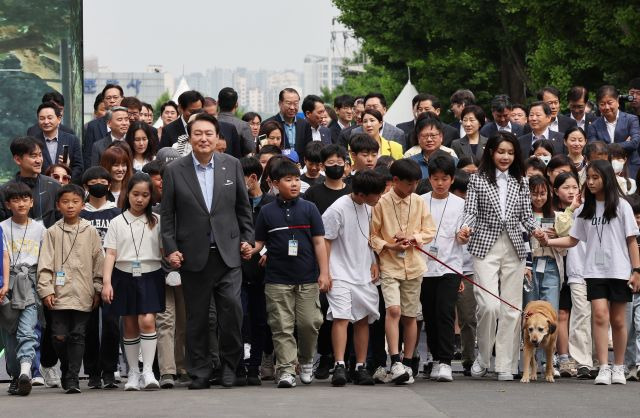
<point x="319" y="243"/>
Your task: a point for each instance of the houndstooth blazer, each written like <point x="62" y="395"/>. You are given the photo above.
<point x="483" y="215"/>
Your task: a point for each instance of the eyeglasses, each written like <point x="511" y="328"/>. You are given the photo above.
<point x="291" y="104"/>
<point x="58" y="177"/>
<point x="110" y="98"/>
<point x="133" y="113"/>
<point x="430" y="136"/>
<point x="257" y="124"/>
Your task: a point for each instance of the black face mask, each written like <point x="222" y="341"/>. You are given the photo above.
<point x="98" y="190"/>
<point x="334" y="172"/>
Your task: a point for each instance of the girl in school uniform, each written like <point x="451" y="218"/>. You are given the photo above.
<point x="133" y="278"/>
<point x="498" y="205"/>
<point x="605" y="222"/>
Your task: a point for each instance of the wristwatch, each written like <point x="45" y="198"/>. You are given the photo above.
<point x="635" y="270"/>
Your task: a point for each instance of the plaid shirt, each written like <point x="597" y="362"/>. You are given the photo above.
<point x="483" y="215"/>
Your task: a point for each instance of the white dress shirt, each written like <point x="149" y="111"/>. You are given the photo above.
<point x="545" y="135"/>
<point x="502" y="180"/>
<point x="582" y="122"/>
<point x="554" y="125"/>
<point x="504" y="128"/>
<point x="315" y="134"/>
<point x="611" y="126"/>
<point x="462" y="131"/>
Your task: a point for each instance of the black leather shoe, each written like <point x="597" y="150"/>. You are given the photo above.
<point x="199" y="383"/>
<point x="216" y="377"/>
<point x="13" y="386"/>
<point x="228" y="377"/>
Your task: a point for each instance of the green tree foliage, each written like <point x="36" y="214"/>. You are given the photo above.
<point x="503" y="46"/>
<point x="164" y="97"/>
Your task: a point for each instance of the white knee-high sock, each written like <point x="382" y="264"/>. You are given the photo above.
<point x="148" y="344"/>
<point x="131" y="351"/>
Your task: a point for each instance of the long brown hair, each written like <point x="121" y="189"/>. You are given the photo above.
<point x="117" y="155"/>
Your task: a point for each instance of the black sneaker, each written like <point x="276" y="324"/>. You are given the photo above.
<point x="324" y="367"/>
<point x="253" y="377"/>
<point x="241" y="376"/>
<point x="109" y="381"/>
<point x="24" y="385"/>
<point x="426" y="370"/>
<point x="95" y="382"/>
<point x="362" y="377"/>
<point x="13" y="386"/>
<point x="415" y="364"/>
<point x="167" y="381"/>
<point x="466" y="367"/>
<point x="339" y="375"/>
<point x="584" y="373"/>
<point x="72" y="386"/>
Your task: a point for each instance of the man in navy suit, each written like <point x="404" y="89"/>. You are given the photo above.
<point x="578" y="96"/>
<point x="58" y="99"/>
<point x="616" y="126"/>
<point x="422" y="103"/>
<point x="539" y="120"/>
<point x="53" y="141"/>
<point x="501" y="111"/>
<point x="559" y="122"/>
<point x="314" y="111"/>
<point x="97" y="129"/>
<point x="344" y="107"/>
<point x="292" y="126"/>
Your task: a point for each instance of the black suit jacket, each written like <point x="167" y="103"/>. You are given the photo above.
<point x="98" y="149"/>
<point x="175" y="129"/>
<point x="589" y="119"/>
<point x="75" y="153"/>
<point x="35" y="130"/>
<point x="450" y="133"/>
<point x="301" y="127"/>
<point x="335" y="129"/>
<point x="96" y="130"/>
<point x="187" y="224"/>
<point x="462" y="147"/>
<point x="325" y="135"/>
<point x="491" y="128"/>
<point x="526" y="143"/>
<point x="564" y="123"/>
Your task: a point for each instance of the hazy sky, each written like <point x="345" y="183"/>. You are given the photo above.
<point x="128" y="35"/>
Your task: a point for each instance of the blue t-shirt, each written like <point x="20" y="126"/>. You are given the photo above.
<point x="278" y="223"/>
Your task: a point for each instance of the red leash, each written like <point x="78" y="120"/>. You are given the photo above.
<point x="468" y="279"/>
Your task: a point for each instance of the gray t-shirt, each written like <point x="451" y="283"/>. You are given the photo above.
<point x="22" y="242"/>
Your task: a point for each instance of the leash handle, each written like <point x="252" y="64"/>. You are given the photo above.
<point x="466" y="278"/>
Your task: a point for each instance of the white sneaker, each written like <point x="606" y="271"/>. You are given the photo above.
<point x="380" y="375"/>
<point x="444" y="373"/>
<point x="37" y="381"/>
<point x="505" y="376"/>
<point x="247" y="350"/>
<point x="51" y="378"/>
<point x="306" y="373"/>
<point x="556" y="373"/>
<point x="287" y="380"/>
<point x="410" y="371"/>
<point x="477" y="370"/>
<point x="617" y="375"/>
<point x="435" y="370"/>
<point x="399" y="373"/>
<point x="148" y="381"/>
<point x="133" y="381"/>
<point x="604" y="376"/>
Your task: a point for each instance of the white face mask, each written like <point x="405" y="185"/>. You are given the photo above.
<point x="618" y="166"/>
<point x="545" y="159"/>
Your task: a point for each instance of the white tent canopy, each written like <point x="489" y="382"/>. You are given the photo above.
<point x="401" y="110"/>
<point x="182" y="87"/>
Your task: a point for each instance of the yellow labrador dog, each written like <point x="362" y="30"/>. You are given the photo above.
<point x="539" y="325"/>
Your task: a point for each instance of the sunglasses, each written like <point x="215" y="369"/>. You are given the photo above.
<point x="58" y="177"/>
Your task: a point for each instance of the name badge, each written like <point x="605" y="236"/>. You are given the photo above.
<point x="433" y="250"/>
<point x="60" y="278"/>
<point x="293" y="247"/>
<point x="540" y="265"/>
<point x="599" y="257"/>
<point x="136" y="269"/>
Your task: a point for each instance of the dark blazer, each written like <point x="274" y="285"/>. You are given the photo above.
<point x="96" y="130"/>
<point x="589" y="118"/>
<point x="389" y="132"/>
<point x="344" y="138"/>
<point x="526" y="142"/>
<point x="564" y="123"/>
<point x="462" y="147"/>
<point x="335" y="129"/>
<point x="491" y="128"/>
<point x="407" y="127"/>
<point x="75" y="153"/>
<point x="35" y="130"/>
<point x="325" y="138"/>
<point x="301" y="126"/>
<point x="626" y="127"/>
<point x="187" y="224"/>
<point x="98" y="149"/>
<point x="175" y="129"/>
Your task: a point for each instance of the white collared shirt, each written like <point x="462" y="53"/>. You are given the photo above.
<point x="554" y="126"/>
<point x="581" y="123"/>
<point x="545" y="135"/>
<point x="315" y="134"/>
<point x="502" y="180"/>
<point x="114" y="139"/>
<point x="611" y="126"/>
<point x="462" y="131"/>
<point x="504" y="128"/>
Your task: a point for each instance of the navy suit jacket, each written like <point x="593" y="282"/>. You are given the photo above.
<point x="491" y="128"/>
<point x="35" y="131"/>
<point x="175" y="129"/>
<point x="301" y="127"/>
<point x="75" y="153"/>
<point x="564" y="123"/>
<point x="526" y="143"/>
<point x="96" y="130"/>
<point x="626" y="127"/>
<point x="325" y="138"/>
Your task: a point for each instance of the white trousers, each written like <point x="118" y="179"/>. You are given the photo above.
<point x="501" y="271"/>
<point x="580" y="325"/>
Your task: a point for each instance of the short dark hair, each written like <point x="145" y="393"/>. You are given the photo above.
<point x="206" y="117"/>
<point x="368" y="182"/>
<point x="16" y="189"/>
<point x="333" y="149"/>
<point x="521" y="107"/>
<point x="50" y="105"/>
<point x="148" y="106"/>
<point x="560" y="160"/>
<point x="634" y="83"/>
<point x="422" y="97"/>
<point x="425" y="120"/>
<point x="169" y="103"/>
<point x="384" y="172"/>
<point x="536" y="163"/>
<point x="53" y="96"/>
<point x="251" y="165"/>
<point x="477" y="112"/>
<point x="595" y="147"/>
<point x="112" y="86"/>
<point x="270" y="149"/>
<point x="460" y="181"/>
<point x="574" y="129"/>
<point x="545" y="107"/>
<point x="249" y="116"/>
<point x="343" y="101"/>
<point x="548" y="89"/>
<point x="131" y="102"/>
<point x="70" y="188"/>
<point x="96" y="103"/>
<point x="385" y="160"/>
<point x="466" y="160"/>
<point x="501" y="102"/>
<point x="188" y="97"/>
<point x="406" y="169"/>
<point x="543" y="143"/>
<point x="576" y="93"/>
<point x="442" y="163"/>
<point x="313" y="152"/>
<point x="24" y="145"/>
<point x="284" y="169"/>
<point x="377" y="95"/>
<point x="155" y="167"/>
<point x="362" y="142"/>
<point x="607" y="90"/>
<point x="634" y="201"/>
<point x="209" y="101"/>
<point x="462" y="96"/>
<point x="287" y="90"/>
<point x="373" y="112"/>
<point x="227" y="99"/>
<point x="95" y="173"/>
<point x="309" y="103"/>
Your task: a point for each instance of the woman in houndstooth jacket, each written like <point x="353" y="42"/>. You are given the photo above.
<point x="498" y="205"/>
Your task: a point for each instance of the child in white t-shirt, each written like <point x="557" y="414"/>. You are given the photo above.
<point x="605" y="222"/>
<point x="353" y="269"/>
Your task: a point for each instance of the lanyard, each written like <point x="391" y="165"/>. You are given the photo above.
<point x="14" y="260"/>
<point x="601" y="232"/>
<point x="64" y="260"/>
<point x="139" y="247"/>
<point x="358" y="219"/>
<point x="441" y="217"/>
<point x="398" y="219"/>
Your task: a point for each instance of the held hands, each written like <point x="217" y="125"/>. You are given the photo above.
<point x="464" y="234"/>
<point x="246" y="250"/>
<point x="324" y="283"/>
<point x="402" y="242"/>
<point x="540" y="235"/>
<point x="107" y="293"/>
<point x="49" y="301"/>
<point x="175" y="259"/>
<point x="634" y="282"/>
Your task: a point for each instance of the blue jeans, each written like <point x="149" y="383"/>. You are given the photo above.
<point x="545" y="286"/>
<point x="632" y="353"/>
<point x="21" y="346"/>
